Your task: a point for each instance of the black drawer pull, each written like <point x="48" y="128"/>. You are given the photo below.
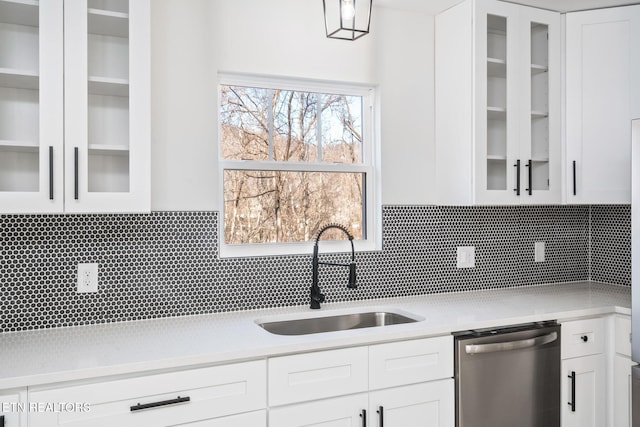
<point x="2" y="421"/>
<point x="584" y="338"/>
<point x="141" y="406"/>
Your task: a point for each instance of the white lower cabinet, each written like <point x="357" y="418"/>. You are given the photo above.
<point x="583" y="391"/>
<point x="419" y="405"/>
<point x="402" y="384"/>
<point x="211" y="397"/>
<point x="345" y="411"/>
<point x="13" y="412"/>
<point x="622" y="391"/>
<point x="583" y="375"/>
<point x="622" y="363"/>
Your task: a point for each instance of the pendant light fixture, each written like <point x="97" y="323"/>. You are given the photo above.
<point x="347" y="19"/>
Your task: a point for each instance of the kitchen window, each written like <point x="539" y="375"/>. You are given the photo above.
<point x="295" y="155"/>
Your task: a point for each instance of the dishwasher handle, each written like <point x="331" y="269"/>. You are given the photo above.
<point x="511" y="345"/>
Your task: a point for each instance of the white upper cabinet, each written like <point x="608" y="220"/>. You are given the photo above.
<point x="498" y="104"/>
<point x="74" y="106"/>
<point x="107" y="105"/>
<point x="31" y="115"/>
<point x="602" y="97"/>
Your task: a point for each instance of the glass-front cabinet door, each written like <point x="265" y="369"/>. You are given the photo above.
<point x="31" y="99"/>
<point x="107" y="121"/>
<point x="540" y="132"/>
<point x="74" y="106"/>
<point x="518" y="104"/>
<point x="497" y="70"/>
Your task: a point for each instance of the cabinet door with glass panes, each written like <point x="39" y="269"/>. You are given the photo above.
<point x="497" y="113"/>
<point x="31" y="99"/>
<point x="498" y="96"/>
<point x="518" y="104"/>
<point x="540" y="101"/>
<point x="107" y="119"/>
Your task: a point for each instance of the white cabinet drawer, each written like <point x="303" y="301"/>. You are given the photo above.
<point x="583" y="337"/>
<point x="212" y="392"/>
<point x="318" y="375"/>
<point x="410" y="362"/>
<point x="623" y="335"/>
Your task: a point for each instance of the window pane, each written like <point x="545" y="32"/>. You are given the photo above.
<point x="244" y="122"/>
<point x="342" y="129"/>
<point x="283" y="125"/>
<point x="295" y="126"/>
<point x="282" y="206"/>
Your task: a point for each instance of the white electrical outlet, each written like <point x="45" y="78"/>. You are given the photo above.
<point x="466" y="257"/>
<point x="87" y="278"/>
<point x="538" y="251"/>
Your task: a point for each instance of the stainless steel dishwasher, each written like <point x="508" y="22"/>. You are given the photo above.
<point x="508" y="377"/>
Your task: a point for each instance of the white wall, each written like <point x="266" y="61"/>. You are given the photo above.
<point x="183" y="106"/>
<point x="193" y="40"/>
<point x="406" y="74"/>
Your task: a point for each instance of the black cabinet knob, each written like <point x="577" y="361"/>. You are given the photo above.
<point x="584" y="338"/>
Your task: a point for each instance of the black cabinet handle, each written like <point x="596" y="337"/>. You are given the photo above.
<point x="573" y="391"/>
<point x="141" y="406"/>
<point x="380" y="412"/>
<point x="574" y="178"/>
<point x="75" y="173"/>
<point x="517" y="166"/>
<point x="530" y="176"/>
<point x="363" y="415"/>
<point x="2" y="421"/>
<point x="50" y="179"/>
<point x="584" y="338"/>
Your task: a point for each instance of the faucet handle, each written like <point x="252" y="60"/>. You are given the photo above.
<point x="316" y="299"/>
<point x="352" y="276"/>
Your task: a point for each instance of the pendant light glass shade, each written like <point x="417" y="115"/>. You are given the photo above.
<point x="347" y="19"/>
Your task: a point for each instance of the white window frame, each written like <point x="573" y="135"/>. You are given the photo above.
<point x="370" y="166"/>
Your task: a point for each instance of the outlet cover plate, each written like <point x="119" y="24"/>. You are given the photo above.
<point x="87" y="277"/>
<point x="538" y="250"/>
<point x="466" y="257"/>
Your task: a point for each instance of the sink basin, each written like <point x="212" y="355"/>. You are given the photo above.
<point x="341" y="322"/>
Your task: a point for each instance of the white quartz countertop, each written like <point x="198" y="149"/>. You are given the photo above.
<point x="48" y="356"/>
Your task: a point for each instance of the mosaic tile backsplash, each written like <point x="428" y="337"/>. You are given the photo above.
<point x="166" y="264"/>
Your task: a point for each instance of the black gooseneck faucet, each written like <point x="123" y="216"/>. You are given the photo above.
<point x="316" y="296"/>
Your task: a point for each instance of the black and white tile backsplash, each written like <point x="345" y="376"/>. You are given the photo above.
<point x="166" y="263"/>
<point x="611" y="244"/>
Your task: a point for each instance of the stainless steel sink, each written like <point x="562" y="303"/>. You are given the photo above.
<point x="341" y="322"/>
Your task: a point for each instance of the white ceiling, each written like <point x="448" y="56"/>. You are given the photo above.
<point x="436" y="6"/>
